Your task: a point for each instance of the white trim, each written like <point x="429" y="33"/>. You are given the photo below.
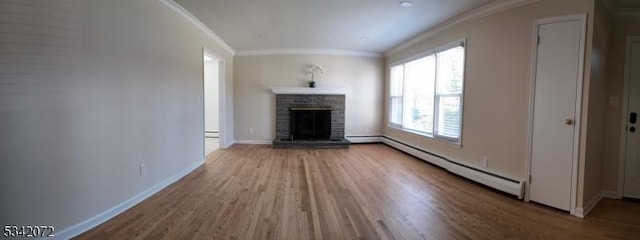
<point x="96" y="220"/>
<point x="579" y="212"/>
<point x="311" y="51"/>
<point x="175" y="7"/>
<point x="624" y="111"/>
<point x="427" y="136"/>
<point x="222" y="103"/>
<point x="222" y="80"/>
<point x="255" y="142"/>
<point x="310" y="91"/>
<point x="582" y="212"/>
<point x="224" y="130"/>
<point x="576" y="138"/>
<point x="364" y="139"/>
<point x="489" y="9"/>
<point x="462" y="42"/>
<point x="515" y="189"/>
<point x="229" y="144"/>
<point x="431" y="51"/>
<point x="532" y="87"/>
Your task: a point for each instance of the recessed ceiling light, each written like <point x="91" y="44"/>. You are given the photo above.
<point x="406" y="4"/>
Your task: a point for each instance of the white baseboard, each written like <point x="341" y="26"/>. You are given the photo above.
<point x="228" y="144"/>
<point x="364" y="139"/>
<point x="252" y="142"/>
<point x="584" y="210"/>
<point x="514" y="188"/>
<point x="579" y="212"/>
<point x="114" y="211"/>
<point x="611" y="194"/>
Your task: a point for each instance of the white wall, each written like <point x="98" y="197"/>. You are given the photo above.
<point x="255" y="103"/>
<point x="599" y="67"/>
<point x="91" y="89"/>
<point x="211" y="95"/>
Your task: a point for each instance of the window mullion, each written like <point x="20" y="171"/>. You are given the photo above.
<point x="436" y="98"/>
<point x="404" y="93"/>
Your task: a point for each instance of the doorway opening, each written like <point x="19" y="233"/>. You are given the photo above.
<point x="213" y="73"/>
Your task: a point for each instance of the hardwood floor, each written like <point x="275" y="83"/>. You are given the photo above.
<point x="366" y="192"/>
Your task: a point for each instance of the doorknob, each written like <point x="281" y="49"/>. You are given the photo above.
<point x="568" y="121"/>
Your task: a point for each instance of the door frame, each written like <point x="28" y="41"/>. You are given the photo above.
<point x="624" y="112"/>
<point x="582" y="17"/>
<point x="222" y="126"/>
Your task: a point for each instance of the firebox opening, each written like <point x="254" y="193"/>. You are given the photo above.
<point x="312" y="123"/>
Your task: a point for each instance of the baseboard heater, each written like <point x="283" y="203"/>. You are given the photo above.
<point x="501" y="183"/>
<point x="364" y="139"/>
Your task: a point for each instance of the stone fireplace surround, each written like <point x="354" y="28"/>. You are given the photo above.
<point x="287" y="98"/>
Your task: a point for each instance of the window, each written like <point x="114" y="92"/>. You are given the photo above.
<point x="397" y="73"/>
<point x="426" y="93"/>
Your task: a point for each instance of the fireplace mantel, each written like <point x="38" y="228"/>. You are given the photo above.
<point x="310" y="91"/>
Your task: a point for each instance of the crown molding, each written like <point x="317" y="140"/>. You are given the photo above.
<point x="489" y="9"/>
<point x="309" y="52"/>
<point x="175" y="7"/>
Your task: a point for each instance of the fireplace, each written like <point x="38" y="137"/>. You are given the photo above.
<point x="311" y="123"/>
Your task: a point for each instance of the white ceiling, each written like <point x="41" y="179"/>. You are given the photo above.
<point x="373" y="26"/>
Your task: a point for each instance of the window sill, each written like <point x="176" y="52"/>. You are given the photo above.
<point x="428" y="136"/>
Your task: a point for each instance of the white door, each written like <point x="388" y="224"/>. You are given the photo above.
<point x="554" y="113"/>
<point x="632" y="165"/>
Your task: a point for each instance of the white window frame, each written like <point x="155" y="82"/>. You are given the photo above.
<point x="456" y="141"/>
<point x="391" y="97"/>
